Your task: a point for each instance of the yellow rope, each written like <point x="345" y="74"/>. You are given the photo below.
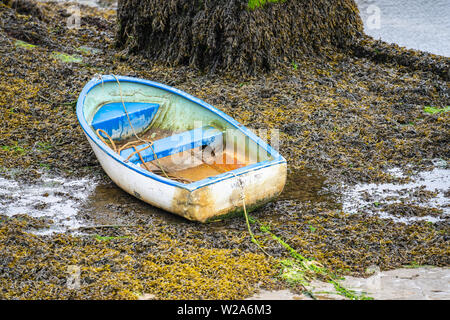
<point x="103" y="140"/>
<point x="138" y="152"/>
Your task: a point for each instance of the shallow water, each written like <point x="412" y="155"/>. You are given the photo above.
<point x="109" y="205"/>
<point x="372" y="198"/>
<point x="52" y="198"/>
<point x="310" y="186"/>
<point x="415" y="24"/>
<point x="74" y="205"/>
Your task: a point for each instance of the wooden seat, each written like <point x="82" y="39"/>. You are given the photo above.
<point x="174" y="144"/>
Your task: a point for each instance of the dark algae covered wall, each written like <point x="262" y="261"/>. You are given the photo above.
<point x="234" y="34"/>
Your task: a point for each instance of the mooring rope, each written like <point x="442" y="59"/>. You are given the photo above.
<point x="252" y="236"/>
<point x="149" y="142"/>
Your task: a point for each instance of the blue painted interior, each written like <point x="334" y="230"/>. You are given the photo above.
<point x="174" y="144"/>
<point x="112" y="118"/>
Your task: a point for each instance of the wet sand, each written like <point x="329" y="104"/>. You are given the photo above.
<point x="418" y="283"/>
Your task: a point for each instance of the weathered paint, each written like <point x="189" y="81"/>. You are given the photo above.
<point x="112" y="119"/>
<point x="225" y="197"/>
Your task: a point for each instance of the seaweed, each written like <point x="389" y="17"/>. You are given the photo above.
<point x="222" y="35"/>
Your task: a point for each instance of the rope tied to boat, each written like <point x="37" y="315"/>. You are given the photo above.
<point x="138" y="152"/>
<point x="109" y="138"/>
<point x="132" y="143"/>
<point x="242" y="197"/>
<point x="113" y="145"/>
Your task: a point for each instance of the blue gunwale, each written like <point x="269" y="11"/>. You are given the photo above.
<point x="277" y="158"/>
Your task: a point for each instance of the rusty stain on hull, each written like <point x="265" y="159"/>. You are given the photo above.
<point x="201" y="204"/>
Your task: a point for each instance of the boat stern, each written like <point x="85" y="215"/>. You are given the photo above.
<point x="225" y="198"/>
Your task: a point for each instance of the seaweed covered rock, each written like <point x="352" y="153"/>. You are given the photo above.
<point x="380" y="51"/>
<point x="26" y="7"/>
<point x="229" y="35"/>
<point x="32" y="27"/>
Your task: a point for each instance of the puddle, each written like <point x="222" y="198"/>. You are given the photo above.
<point x="108" y="205"/>
<point x="74" y="205"/>
<point x="310" y="186"/>
<point x="427" y="190"/>
<point x="109" y="4"/>
<point x="53" y="198"/>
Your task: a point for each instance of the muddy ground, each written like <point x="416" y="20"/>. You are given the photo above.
<point x="343" y="118"/>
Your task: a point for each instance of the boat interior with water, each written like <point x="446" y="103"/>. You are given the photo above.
<point x="169" y="135"/>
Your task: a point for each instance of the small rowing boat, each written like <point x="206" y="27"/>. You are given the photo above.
<point x="175" y="151"/>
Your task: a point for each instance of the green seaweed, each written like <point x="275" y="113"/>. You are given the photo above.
<point x="433" y="110"/>
<point x="43" y="145"/>
<point x="14" y="148"/>
<point x="253" y="4"/>
<point x="24" y="44"/>
<point x="67" y="58"/>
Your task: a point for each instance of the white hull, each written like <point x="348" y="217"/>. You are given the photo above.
<point x="206" y="203"/>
